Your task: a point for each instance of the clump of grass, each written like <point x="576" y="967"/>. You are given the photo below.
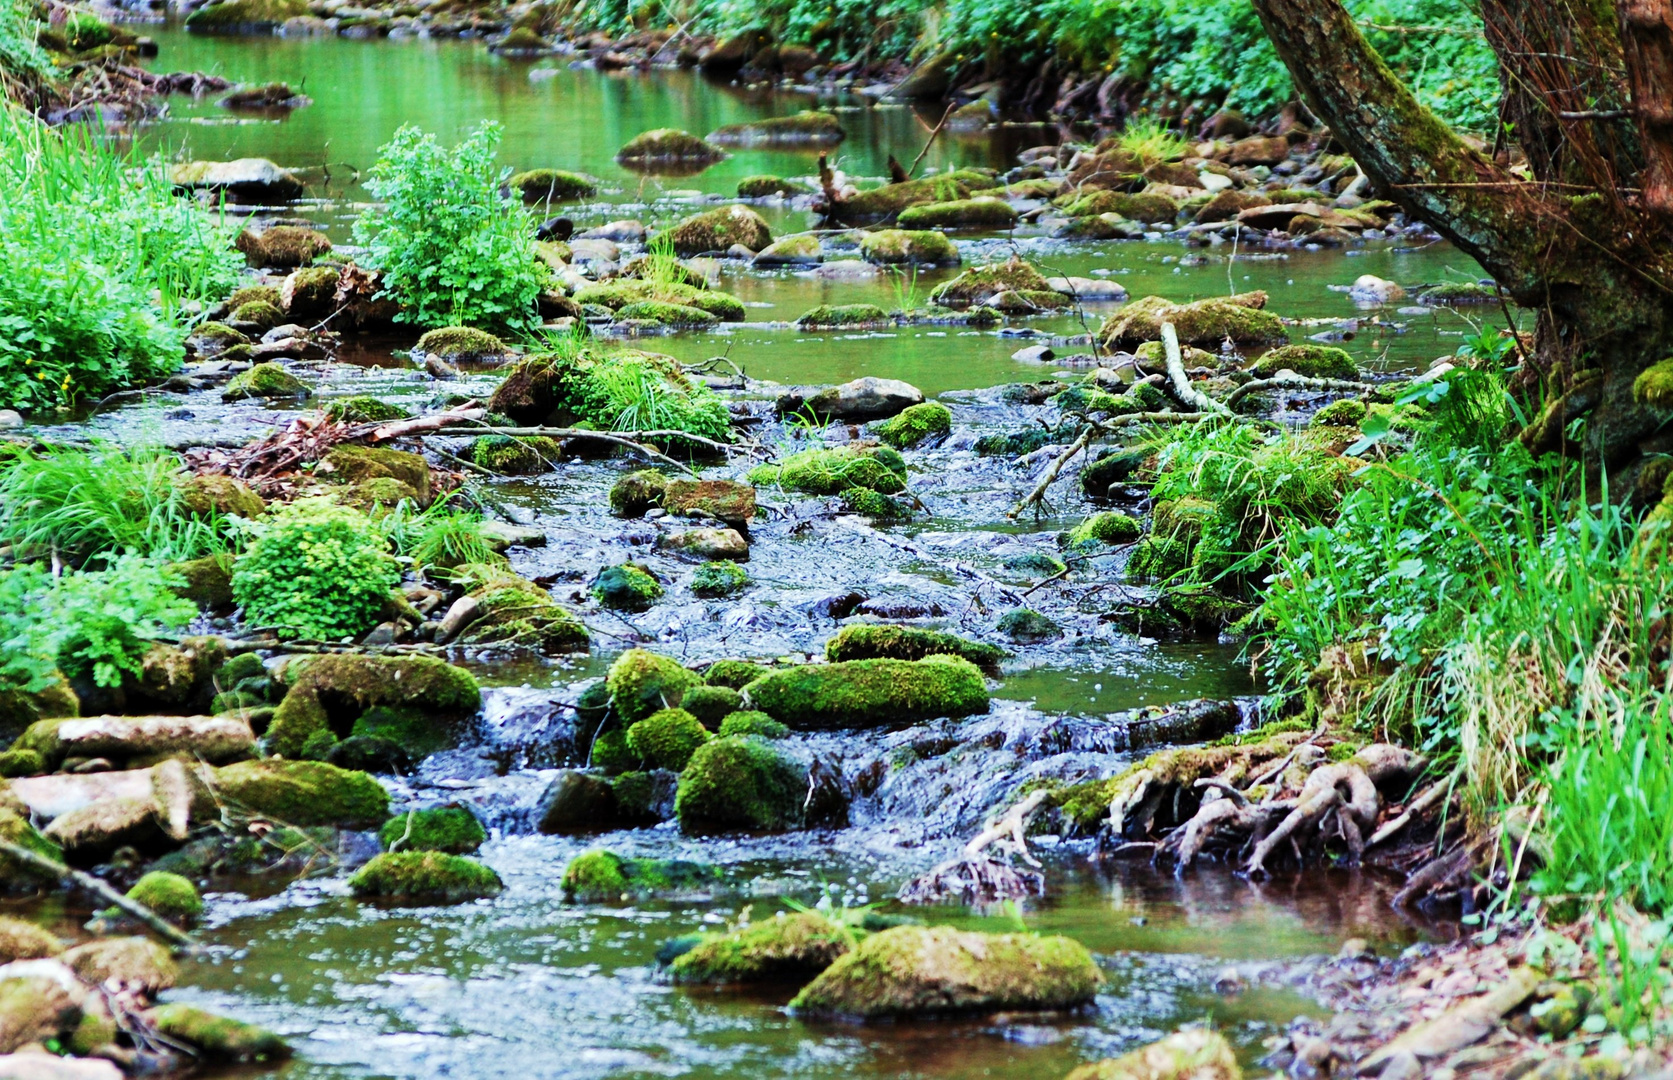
<point x="1152" y="142"/>
<point x="627" y="392"/>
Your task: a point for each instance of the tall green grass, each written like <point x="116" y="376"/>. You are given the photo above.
<point x="99" y="255"/>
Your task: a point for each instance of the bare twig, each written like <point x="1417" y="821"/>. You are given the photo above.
<point x="1176" y="372"/>
<point x="1051" y="472"/>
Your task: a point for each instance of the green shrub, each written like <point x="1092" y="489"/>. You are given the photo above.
<point x="315" y="570"/>
<point x="453" y="250"/>
<point x="99" y="255"/>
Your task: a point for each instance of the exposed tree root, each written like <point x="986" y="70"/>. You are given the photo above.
<point x="977" y="878"/>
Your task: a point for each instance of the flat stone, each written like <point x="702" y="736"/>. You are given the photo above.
<point x="244" y="178"/>
<point x="215" y="739"/>
<point x="620" y="232"/>
<point x="50" y="797"/>
<point x="709" y="544"/>
<point x="1034" y="354"/>
<point x="502" y="535"/>
<point x="584" y="250"/>
<point x="866" y="398"/>
<point x="1083" y="288"/>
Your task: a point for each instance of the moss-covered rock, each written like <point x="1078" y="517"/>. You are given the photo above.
<point x="553" y="185"/>
<point x="460" y="344"/>
<point x="425" y="877"/>
<point x="304" y="793"/>
<point x="218" y="1038"/>
<point x="244" y="16"/>
<point x="980" y="213"/>
<point x="670" y="146"/>
<point x="1108" y="527"/>
<point x="1346" y="413"/>
<point x="169" y="895"/>
<point x="870" y="504"/>
<point x="1308" y="360"/>
<point x="741" y="782"/>
<point x="806" y="128"/>
<point x="799" y="250"/>
<point x="513" y="612"/>
<point x="364" y="409"/>
<point x="20" y="940"/>
<point x="765" y="187"/>
<point x="642" y="683"/>
<point x="928" y="971"/>
<point x="1192" y="1054"/>
<point x="863" y="641"/>
<point x="1459" y="293"/>
<point x="718" y="230"/>
<point x="908" y="247"/>
<point x="522" y="455"/>
<point x="981" y="284"/>
<point x="283" y="246"/>
<point x="1149" y="207"/>
<point x="1240" y="319"/>
<point x="352" y="463"/>
<point x="637" y="492"/>
<point x="667" y="738"/>
<point x="605" y="877"/>
<point x="837" y="316"/>
<point x="863" y="693"/>
<point x="16" y="829"/>
<point x="830" y="471"/>
<point x="915" y="424"/>
<point x="452" y="829"/>
<point x="676" y="315"/>
<point x="1027" y="626"/>
<point x="784" y="947"/>
<point x="334" y="692"/>
<point x="134" y="960"/>
<point x="750" y="722"/>
<point x="628" y="587"/>
<point x="728" y="500"/>
<point x="1654" y="386"/>
<point x="711" y="704"/>
<point x="884" y="203"/>
<point x="309" y="294"/>
<point x="735" y="674"/>
<point x="267" y="381"/>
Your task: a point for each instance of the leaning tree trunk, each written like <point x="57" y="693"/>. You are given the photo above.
<point x="1582" y="234"/>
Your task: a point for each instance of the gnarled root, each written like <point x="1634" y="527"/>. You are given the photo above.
<point x="1342" y="795"/>
<point x="978" y="879"/>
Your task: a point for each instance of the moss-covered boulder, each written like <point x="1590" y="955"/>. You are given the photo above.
<point x="525" y="455"/>
<point x="735" y="674"/>
<point x="1347" y="413"/>
<point x="267" y="381"/>
<point x="884" y="203"/>
<point x="425" y="877"/>
<point x="282" y="246"/>
<point x="512" y="612"/>
<point x="169" y="895"/>
<point x="218" y="1038"/>
<point x="800" y="250"/>
<point x="980" y="213"/>
<point x="730" y="501"/>
<point x="750" y="722"/>
<point x="1192" y="1054"/>
<point x="304" y="793"/>
<point x="461" y="345"/>
<point x="785" y="947"/>
<point x="553" y="185"/>
<point x="20" y="940"/>
<point x="667" y="738"/>
<point x="806" y="128"/>
<point x="981" y="284"/>
<point x="866" y="693"/>
<point x="668" y="146"/>
<point x="364" y="409"/>
<point x="628" y="587"/>
<point x="452" y="829"/>
<point x="351" y="463"/>
<point x="714" y="580"/>
<point x="840" y="316"/>
<point x="308" y="295"/>
<point x="1240" y="319"/>
<point x="637" y="492"/>
<point x="917" y="971"/>
<point x="914" y="425"/>
<point x="1107" y="528"/>
<point x="1149" y="207"/>
<point x="830" y="471"/>
<point x="718" y="230"/>
<point x="741" y="782"/>
<point x="908" y="247"/>
<point x="334" y="693"/>
<point x="865" y="641"/>
<point x="605" y="877"/>
<point x="711" y="704"/>
<point x="681" y="316"/>
<point x="642" y="683"/>
<point x="244" y="16"/>
<point x="1308" y="360"/>
<point x="16" y="829"/>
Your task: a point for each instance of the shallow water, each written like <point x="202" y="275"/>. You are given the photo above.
<point x="528" y="986"/>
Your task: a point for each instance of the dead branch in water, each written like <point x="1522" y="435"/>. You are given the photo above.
<point x="72" y="876"/>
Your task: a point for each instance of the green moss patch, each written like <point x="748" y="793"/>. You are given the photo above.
<point x="984" y="213"/>
<point x="553" y="185"/>
<point x="333" y="692"/>
<point x="915" y="424"/>
<point x="868" y="642"/>
<point x="642" y="683"/>
<point x="304" y="793"/>
<point x="1309" y="361"/>
<point x="425" y="877"/>
<point x="218" y="1038"/>
<point x="605" y="877"/>
<point x="831" y="471"/>
<point x="864" y="693"/>
<point x="667" y="738"/>
<point x="169" y="895"/>
<point x="839" y="316"/>
<point x="628" y="587"/>
<point x="741" y="782"/>
<point x="452" y="829"/>
<point x="784" y="947"/>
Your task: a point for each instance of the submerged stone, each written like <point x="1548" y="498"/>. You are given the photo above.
<point x="1192" y="1054"/>
<point x="218" y="1038"/>
<point x="605" y="877"/>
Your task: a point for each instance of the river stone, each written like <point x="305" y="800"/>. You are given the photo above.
<point x="708" y="544"/>
<point x="1192" y="1054"/>
<point x="219" y="1038"/>
<point x="106" y="825"/>
<point x="215" y="739"/>
<point x="729" y="500"/>
<point x="39" y="1000"/>
<point x="865" y="398"/>
<point x="39" y="1065"/>
<point x="1257" y="150"/>
<point x="575" y="801"/>
<point x="1082" y="288"/>
<point x="935" y="971"/>
<point x="243" y="180"/>
<point x="50" y="797"/>
<point x="131" y="961"/>
<point x="800" y="250"/>
<point x="501" y="535"/>
<point x="1371" y="289"/>
<point x="625" y="231"/>
<point x="786" y="946"/>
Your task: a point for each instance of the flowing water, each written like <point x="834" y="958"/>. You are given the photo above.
<point x="529" y="986"/>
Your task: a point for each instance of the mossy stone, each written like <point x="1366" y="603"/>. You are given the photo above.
<point x="266" y="381"/>
<point x="1149" y="207"/>
<point x="460" y="344"/>
<point x="309" y="294"/>
<point x="830" y="471"/>
<point x="810" y="127"/>
<point x="1027" y="626"/>
<point x="282" y="246"/>
<point x="425" y="877"/>
<point x="741" y="782"/>
<point x="628" y="587"/>
<point x="637" y="492"/>
<point x="169" y="895"/>
<point x="1345" y="413"/>
<point x="784" y="947"/>
<point x="304" y="793"/>
<point x="719" y="230"/>
<point x="526" y="455"/>
<point x="209" y="494"/>
<point x="710" y="704"/>
<point x="16" y="829"/>
<point x="553" y="185"/>
<point x="653" y="311"/>
<point x="884" y="203"/>
<point x="980" y="284"/>
<point x="908" y="247"/>
<point x="865" y="693"/>
<point x="879" y="507"/>
<point x="667" y="145"/>
<point x="333" y="692"/>
<point x="352" y="463"/>
<point x="1240" y="319"/>
<point x="982" y="213"/>
<point x="836" y="316"/>
<point x="753" y="723"/>
<point x="605" y="877"/>
<point x="1107" y="528"/>
<point x="20" y="940"/>
<point x="863" y="641"/>
<point x="667" y="738"/>
<point x="915" y="424"/>
<point x="452" y="829"/>
<point x="1196" y="1053"/>
<point x="735" y="674"/>
<point x="1308" y="360"/>
<point x="244" y="16"/>
<point x="642" y="683"/>
<point x="714" y="580"/>
<point x="514" y="612"/>
<point x="218" y="1038"/>
<point x="1654" y="386"/>
<point x="764" y="187"/>
<point x="611" y="755"/>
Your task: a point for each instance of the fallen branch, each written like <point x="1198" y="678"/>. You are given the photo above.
<point x="912" y="168"/>
<point x="902" y="544"/>
<point x="1431" y="795"/>
<point x="1051" y="473"/>
<point x="1176" y="372"/>
<point x="1298" y="382"/>
<point x="98" y="888"/>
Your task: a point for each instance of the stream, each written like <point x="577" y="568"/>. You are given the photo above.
<point x="529" y="986"/>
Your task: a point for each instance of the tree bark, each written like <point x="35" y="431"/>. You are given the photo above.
<point x="1647" y="36"/>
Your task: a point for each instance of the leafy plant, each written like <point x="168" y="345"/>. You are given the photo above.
<point x="315" y="570"/>
<point x="452" y="247"/>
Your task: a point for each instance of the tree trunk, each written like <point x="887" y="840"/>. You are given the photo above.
<point x="1587" y="93"/>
